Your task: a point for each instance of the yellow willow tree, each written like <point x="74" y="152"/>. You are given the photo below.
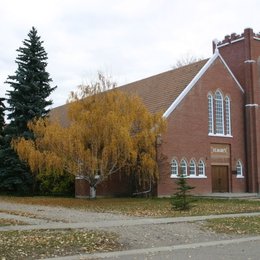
<point x="108" y="132"/>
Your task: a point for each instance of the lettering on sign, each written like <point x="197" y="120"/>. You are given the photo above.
<point x="219" y="151"/>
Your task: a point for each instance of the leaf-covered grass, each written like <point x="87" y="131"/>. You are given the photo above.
<point x="241" y="225"/>
<point x="152" y="207"/>
<point x="10" y="222"/>
<point x="51" y="243"/>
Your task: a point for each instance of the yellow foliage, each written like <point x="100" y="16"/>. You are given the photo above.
<point x="107" y="131"/>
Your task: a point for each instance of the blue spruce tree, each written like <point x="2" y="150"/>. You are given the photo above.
<point x="27" y="99"/>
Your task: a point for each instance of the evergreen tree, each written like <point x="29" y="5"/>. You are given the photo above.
<point x="31" y="85"/>
<point x="27" y="100"/>
<point x="181" y="199"/>
<point x="2" y="116"/>
<point x="15" y="177"/>
<point x="2" y="122"/>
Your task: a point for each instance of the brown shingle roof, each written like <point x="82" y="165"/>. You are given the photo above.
<point x="61" y="114"/>
<point x="157" y="92"/>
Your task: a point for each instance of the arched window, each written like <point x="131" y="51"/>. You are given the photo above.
<point x="219" y="113"/>
<point x="183" y="167"/>
<point x="227" y="113"/>
<point x="174" y="168"/>
<point x="210" y="114"/>
<point x="192" y="168"/>
<point x="239" y="168"/>
<point x="201" y="166"/>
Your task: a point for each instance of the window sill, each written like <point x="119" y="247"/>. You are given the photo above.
<point x="240" y="177"/>
<point x="198" y="177"/>
<point x="190" y="177"/>
<point x="220" y="135"/>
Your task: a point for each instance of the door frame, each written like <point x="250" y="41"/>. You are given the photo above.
<point x="228" y="176"/>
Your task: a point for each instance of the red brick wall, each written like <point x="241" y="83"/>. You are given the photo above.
<point x="237" y="54"/>
<point x="115" y="185"/>
<point x="187" y="134"/>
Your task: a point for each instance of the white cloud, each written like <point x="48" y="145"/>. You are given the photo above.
<point x="131" y="39"/>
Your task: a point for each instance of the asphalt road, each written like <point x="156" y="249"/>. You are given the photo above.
<point x="247" y="248"/>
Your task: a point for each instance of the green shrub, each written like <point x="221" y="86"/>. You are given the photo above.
<point x="56" y="184"/>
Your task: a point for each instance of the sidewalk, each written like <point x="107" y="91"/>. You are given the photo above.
<point x="117" y="223"/>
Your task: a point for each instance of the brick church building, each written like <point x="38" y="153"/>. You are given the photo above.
<point x="212" y="111"/>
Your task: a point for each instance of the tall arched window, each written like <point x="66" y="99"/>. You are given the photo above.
<point x="227" y="113"/>
<point x="239" y="168"/>
<point x="210" y="114"/>
<point x="183" y="167"/>
<point x="219" y="113"/>
<point x="192" y="168"/>
<point x="201" y="166"/>
<point x="174" y="168"/>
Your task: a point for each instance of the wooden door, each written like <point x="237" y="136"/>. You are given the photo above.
<point x="219" y="178"/>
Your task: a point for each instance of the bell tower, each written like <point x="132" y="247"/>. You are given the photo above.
<point x="242" y="55"/>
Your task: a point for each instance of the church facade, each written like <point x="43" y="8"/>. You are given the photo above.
<point x="212" y="111"/>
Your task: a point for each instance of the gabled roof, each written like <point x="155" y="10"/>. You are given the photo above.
<point x="159" y="91"/>
<point x="163" y="92"/>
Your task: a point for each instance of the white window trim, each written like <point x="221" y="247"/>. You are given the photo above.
<point x="195" y="168"/>
<point x="212" y="112"/>
<point x="204" y="168"/>
<point x="196" y="176"/>
<point x="222" y="112"/>
<point x="240" y="176"/>
<point x="220" y="135"/>
<point x="228" y="122"/>
<point x="225" y="123"/>
<point x="186" y="167"/>
<point x="174" y="175"/>
<point x="199" y="177"/>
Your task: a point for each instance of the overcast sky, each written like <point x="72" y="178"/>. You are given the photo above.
<point x="128" y="39"/>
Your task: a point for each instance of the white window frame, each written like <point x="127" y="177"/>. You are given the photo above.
<point x="239" y="169"/>
<point x="201" y="164"/>
<point x="174" y="168"/>
<point x="184" y="167"/>
<point x="210" y="114"/>
<point x="192" y="172"/>
<point x="219" y="113"/>
<point x="228" y="115"/>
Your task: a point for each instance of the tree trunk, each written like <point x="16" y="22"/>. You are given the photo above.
<point x="92" y="192"/>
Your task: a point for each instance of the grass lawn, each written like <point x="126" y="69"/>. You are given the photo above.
<point x="151" y="207"/>
<point x="241" y="225"/>
<point x="52" y="243"/>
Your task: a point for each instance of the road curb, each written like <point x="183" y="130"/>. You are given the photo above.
<point x="152" y="250"/>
